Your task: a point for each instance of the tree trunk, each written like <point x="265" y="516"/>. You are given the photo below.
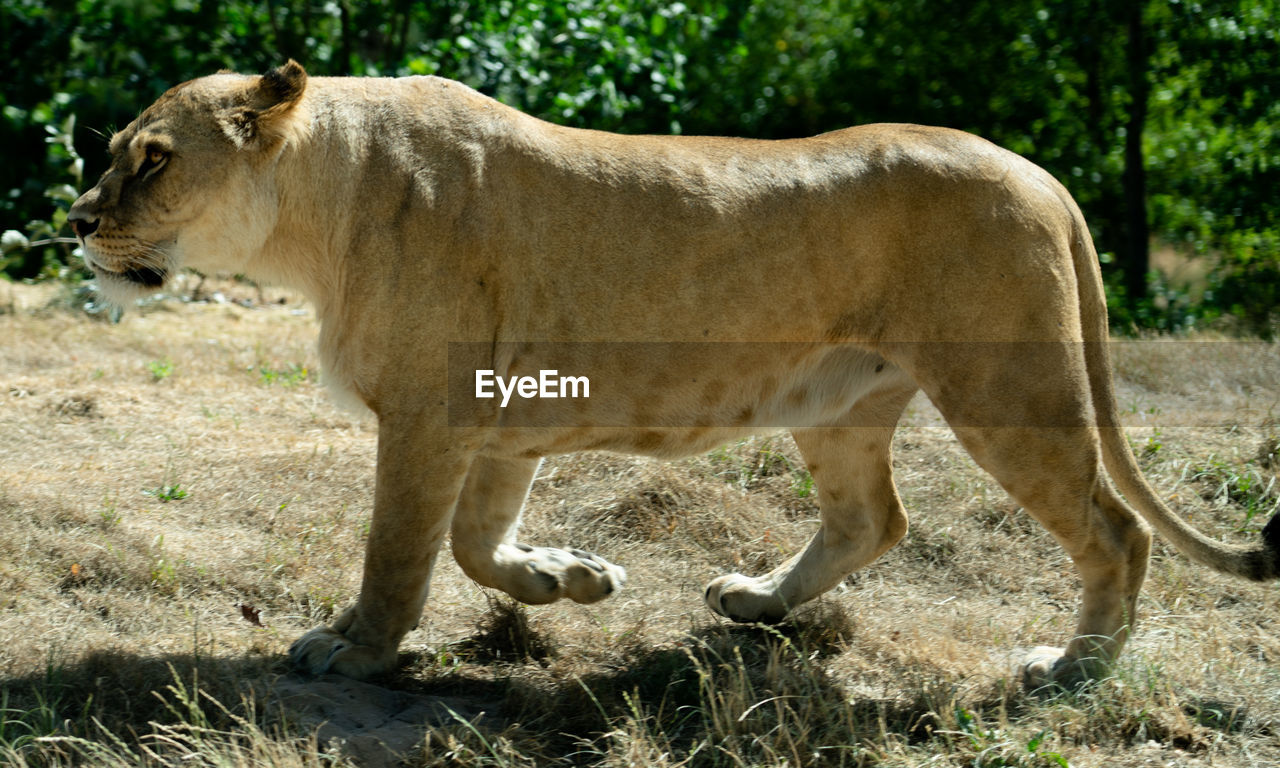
<point x="1137" y="257"/>
<point x="344" y="47"/>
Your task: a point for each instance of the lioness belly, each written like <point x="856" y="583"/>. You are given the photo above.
<point x="692" y="407"/>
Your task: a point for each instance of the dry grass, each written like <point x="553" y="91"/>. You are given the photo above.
<point x="179" y="499"/>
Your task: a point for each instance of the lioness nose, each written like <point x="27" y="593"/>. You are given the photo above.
<point x="82" y="226"/>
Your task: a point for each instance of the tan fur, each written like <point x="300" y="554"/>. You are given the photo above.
<point x="705" y="286"/>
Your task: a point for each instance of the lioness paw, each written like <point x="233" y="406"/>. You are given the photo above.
<point x="1049" y="669"/>
<point x="742" y="598"/>
<point x="324" y="649"/>
<point x="548" y="574"/>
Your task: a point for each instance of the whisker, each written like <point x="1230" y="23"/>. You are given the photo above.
<point x="151" y="255"/>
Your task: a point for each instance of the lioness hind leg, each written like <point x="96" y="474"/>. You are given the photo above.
<point x="1055" y="474"/>
<point x="1023" y="411"/>
<point x="1110" y="546"/>
<point x="484" y="544"/>
<point x="862" y="516"/>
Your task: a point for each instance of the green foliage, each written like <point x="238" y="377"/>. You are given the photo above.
<point x="290" y="375"/>
<point x="602" y="64"/>
<point x="1154" y="444"/>
<point x="1242" y="485"/>
<point x="160" y="369"/>
<point x="1051" y="79"/>
<point x="167" y="493"/>
<point x="994" y="749"/>
<point x="46" y="248"/>
<point x="1215" y="150"/>
<point x="22" y="727"/>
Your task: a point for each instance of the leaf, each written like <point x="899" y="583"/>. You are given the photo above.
<point x="62" y="192"/>
<point x="251" y="614"/>
<point x="166" y="493"/>
<point x="13" y="240"/>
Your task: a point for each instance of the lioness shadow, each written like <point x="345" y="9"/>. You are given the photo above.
<point x="753" y="689"/>
<point x="750" y="687"/>
<point x="177" y="701"/>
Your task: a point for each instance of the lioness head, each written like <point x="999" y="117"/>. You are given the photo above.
<point x="187" y="184"/>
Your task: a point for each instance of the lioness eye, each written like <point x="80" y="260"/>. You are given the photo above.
<point x="154" y="159"/>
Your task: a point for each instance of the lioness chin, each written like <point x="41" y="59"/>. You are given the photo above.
<point x="703" y="286"/>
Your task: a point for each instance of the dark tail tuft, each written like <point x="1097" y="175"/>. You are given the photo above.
<point x="1265" y="563"/>
<point x="1271" y="535"/>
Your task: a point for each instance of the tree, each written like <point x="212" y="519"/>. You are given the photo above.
<point x="1159" y="115"/>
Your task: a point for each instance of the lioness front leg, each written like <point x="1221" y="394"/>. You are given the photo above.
<point x="419" y="476"/>
<point x="484" y="543"/>
<point x="862" y="516"/>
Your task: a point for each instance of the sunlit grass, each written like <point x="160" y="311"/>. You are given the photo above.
<point x="164" y="538"/>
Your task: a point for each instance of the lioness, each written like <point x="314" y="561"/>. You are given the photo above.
<point x="704" y="286"/>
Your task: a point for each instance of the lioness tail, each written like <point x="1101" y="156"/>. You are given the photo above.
<point x="1258" y="562"/>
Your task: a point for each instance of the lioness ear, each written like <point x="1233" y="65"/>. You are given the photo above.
<point x="265" y="113"/>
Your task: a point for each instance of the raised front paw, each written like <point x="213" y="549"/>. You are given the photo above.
<point x="324" y="649"/>
<point x="545" y="574"/>
<point x="745" y="599"/>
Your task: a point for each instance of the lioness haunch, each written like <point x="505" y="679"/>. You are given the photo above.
<point x="705" y="286"/>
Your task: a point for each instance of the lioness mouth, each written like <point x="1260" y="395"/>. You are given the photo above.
<point x="148" y="276"/>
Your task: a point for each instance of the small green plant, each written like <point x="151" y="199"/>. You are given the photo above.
<point x="995" y="749"/>
<point x="1136" y="408"/>
<point x="802" y="484"/>
<point x="1243" y="485"/>
<point x="20" y="727"/>
<point x="160" y="369"/>
<point x="290" y="375"/>
<point x="163" y="572"/>
<point x="109" y="515"/>
<point x="1054" y="758"/>
<point x="166" y="493"/>
<point x="747" y="471"/>
<point x="1153" y="445"/>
